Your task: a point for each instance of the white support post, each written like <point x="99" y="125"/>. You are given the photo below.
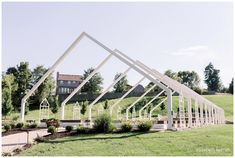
<point x="82" y="84"/>
<point x="209" y="110"/>
<point x="201" y="115"/>
<point x="212" y="115"/>
<point x="127" y="110"/>
<point x="140" y="111"/>
<point x="104" y="92"/>
<point x="189" y="113"/>
<point x="206" y="118"/>
<point x="196" y="114"/>
<point x="128" y="92"/>
<point x="170" y="111"/>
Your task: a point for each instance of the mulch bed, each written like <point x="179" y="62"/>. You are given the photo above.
<point x="59" y="135"/>
<point x="18" y="130"/>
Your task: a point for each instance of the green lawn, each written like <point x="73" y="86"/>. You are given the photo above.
<point x="214" y="140"/>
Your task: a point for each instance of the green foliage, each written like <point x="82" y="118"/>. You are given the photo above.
<point x="189" y="78"/>
<point x="13" y="125"/>
<point x="106" y="104"/>
<point x="69" y="128"/>
<point x="45" y="89"/>
<point x="103" y="124"/>
<point x="198" y="90"/>
<point x="51" y="129"/>
<point x="126" y="127"/>
<point x="155" y="89"/>
<point x="32" y="125"/>
<point x="9" y="86"/>
<point x="94" y="85"/>
<point x="84" y="107"/>
<point x="20" y="125"/>
<point x="212" y="78"/>
<point x="141" y="103"/>
<point x="7" y="127"/>
<point x="53" y="122"/>
<point x="230" y="89"/>
<point x="54" y="103"/>
<point x="121" y="85"/>
<point x="172" y="75"/>
<point x="145" y="126"/>
<point x="83" y="130"/>
<point x="162" y="106"/>
<point x="22" y="75"/>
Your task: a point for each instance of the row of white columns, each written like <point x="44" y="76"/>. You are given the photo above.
<point x="204" y="115"/>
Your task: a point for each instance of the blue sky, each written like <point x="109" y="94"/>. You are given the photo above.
<point x="171" y="35"/>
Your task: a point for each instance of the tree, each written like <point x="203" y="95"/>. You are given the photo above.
<point x="189" y="78"/>
<point x="93" y="86"/>
<point x="9" y="86"/>
<point x="212" y="78"/>
<point x="106" y="104"/>
<point x="172" y="75"/>
<point x="155" y="89"/>
<point x="22" y="75"/>
<point x="230" y="89"/>
<point x="45" y="89"/>
<point x="121" y="85"/>
<point x="162" y="106"/>
<point x="84" y="107"/>
<point x="54" y="103"/>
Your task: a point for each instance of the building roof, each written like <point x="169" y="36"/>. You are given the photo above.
<point x="67" y="77"/>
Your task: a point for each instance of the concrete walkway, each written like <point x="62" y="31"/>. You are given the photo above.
<point x="14" y="141"/>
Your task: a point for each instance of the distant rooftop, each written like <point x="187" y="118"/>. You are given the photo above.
<point x="67" y="77"/>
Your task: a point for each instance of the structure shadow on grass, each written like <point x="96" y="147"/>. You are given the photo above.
<point x="80" y="137"/>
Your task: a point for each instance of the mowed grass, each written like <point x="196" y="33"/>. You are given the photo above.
<point x="206" y="141"/>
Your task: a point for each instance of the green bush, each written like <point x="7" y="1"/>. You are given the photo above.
<point x="32" y="125"/>
<point x="83" y="130"/>
<point x="13" y="125"/>
<point x="7" y="127"/>
<point x="103" y="124"/>
<point x="20" y="125"/>
<point x="51" y="129"/>
<point x="53" y="122"/>
<point x="69" y="128"/>
<point x="145" y="126"/>
<point x="126" y="127"/>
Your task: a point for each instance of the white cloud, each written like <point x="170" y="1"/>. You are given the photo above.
<point x="191" y="51"/>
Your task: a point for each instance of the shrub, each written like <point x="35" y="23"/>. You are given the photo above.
<point x="103" y="124"/>
<point x="51" y="129"/>
<point x="53" y="122"/>
<point x="32" y="125"/>
<point x="126" y="127"/>
<point x="83" y="130"/>
<point x="13" y="125"/>
<point x="69" y="128"/>
<point x="145" y="126"/>
<point x="19" y="125"/>
<point x="7" y="127"/>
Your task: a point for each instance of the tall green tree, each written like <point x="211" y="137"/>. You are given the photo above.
<point x="9" y="86"/>
<point x="94" y="85"/>
<point x="155" y="89"/>
<point x="189" y="78"/>
<point x="121" y="85"/>
<point x="45" y="89"/>
<point x="212" y="78"/>
<point x="230" y="89"/>
<point x="22" y="75"/>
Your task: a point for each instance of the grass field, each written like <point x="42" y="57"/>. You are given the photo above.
<point x="214" y="140"/>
